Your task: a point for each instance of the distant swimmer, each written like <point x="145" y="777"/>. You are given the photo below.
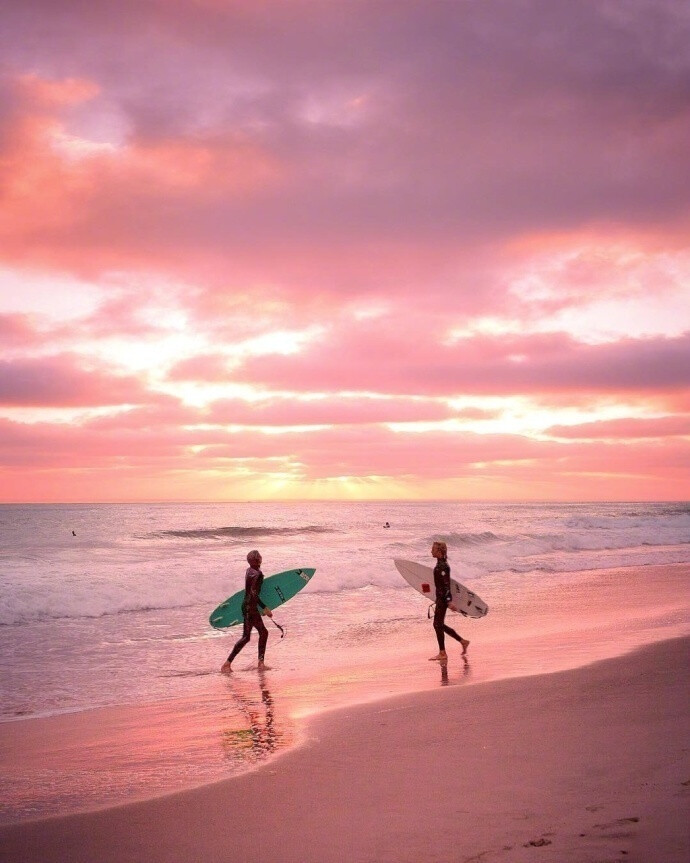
<point x="253" y="580"/>
<point x="387" y="524"/>
<point x="73" y="533"/>
<point x="444" y="598"/>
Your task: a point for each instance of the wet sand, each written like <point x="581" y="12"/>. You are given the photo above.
<point x="225" y="725"/>
<point x="582" y="765"/>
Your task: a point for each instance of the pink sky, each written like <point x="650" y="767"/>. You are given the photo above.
<point x="344" y="250"/>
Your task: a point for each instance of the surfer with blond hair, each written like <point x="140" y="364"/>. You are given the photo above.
<point x="444" y="598"/>
<point x="254" y="578"/>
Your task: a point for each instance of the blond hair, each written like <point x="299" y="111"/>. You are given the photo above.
<point x="439" y="550"/>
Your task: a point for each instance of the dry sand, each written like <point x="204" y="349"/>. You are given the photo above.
<point x="584" y="765"/>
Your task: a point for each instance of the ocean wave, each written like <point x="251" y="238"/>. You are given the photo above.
<point x="673" y="517"/>
<point x="453" y="538"/>
<point x="22" y="616"/>
<point x="655" y="510"/>
<point x="674" y="509"/>
<point x="239" y="532"/>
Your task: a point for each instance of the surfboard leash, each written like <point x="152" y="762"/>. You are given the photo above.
<point x="281" y="628"/>
<point x="428" y="611"/>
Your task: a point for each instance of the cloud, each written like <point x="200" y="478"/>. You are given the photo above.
<point x="627" y="428"/>
<point x="368" y="357"/>
<point x="352" y="451"/>
<point x="453" y="125"/>
<point x="17" y="331"/>
<point x="63" y="381"/>
<point x="486" y="205"/>
<point x="341" y="410"/>
<point x="114" y="461"/>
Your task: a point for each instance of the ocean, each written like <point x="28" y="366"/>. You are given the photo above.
<point x="135" y="586"/>
<point x="107" y="605"/>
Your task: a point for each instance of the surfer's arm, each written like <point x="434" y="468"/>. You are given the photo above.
<point x="448" y="596"/>
<point x="253" y="591"/>
<point x="264" y="608"/>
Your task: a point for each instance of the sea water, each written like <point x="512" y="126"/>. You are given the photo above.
<point x="107" y="606"/>
<point x="91" y="592"/>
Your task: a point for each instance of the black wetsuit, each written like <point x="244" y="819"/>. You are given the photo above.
<point x="254" y="578"/>
<point x="443" y="600"/>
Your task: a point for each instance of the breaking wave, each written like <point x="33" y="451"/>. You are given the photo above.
<point x="240" y="532"/>
<point x="483" y="538"/>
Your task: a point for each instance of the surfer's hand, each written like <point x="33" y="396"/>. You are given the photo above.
<point x="268" y="612"/>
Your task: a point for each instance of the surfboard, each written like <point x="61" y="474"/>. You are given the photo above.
<point x="275" y="590"/>
<point x="422" y="579"/>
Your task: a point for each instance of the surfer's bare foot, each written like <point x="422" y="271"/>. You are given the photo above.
<point x="441" y="656"/>
<point x="263" y="667"/>
<point x="226" y="668"/>
<point x="465" y="644"/>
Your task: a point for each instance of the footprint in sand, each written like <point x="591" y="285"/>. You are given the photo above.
<point x="613" y="829"/>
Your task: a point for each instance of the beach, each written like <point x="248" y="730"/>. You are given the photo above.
<point x="589" y="764"/>
<point x="391" y="301"/>
<point x="561" y="733"/>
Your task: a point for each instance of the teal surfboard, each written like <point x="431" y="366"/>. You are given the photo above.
<point x="275" y="590"/>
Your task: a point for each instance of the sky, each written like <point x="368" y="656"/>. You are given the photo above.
<point x="274" y="249"/>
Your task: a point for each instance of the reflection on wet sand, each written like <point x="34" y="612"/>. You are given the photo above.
<point x="466" y="671"/>
<point x="260" y="733"/>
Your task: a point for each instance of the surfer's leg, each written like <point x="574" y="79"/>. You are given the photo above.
<point x="246" y="635"/>
<point x="263" y="637"/>
<point x="439" y="615"/>
<point x="453" y="634"/>
<point x="439" y="625"/>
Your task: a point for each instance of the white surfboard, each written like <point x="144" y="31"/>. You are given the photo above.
<point x="422" y="579"/>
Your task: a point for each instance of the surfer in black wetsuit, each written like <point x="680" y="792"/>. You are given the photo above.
<point x="250" y="612"/>
<point x="443" y="603"/>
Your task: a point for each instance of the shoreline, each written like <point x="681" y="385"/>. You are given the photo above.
<point x="587" y="576"/>
<point x="95" y="759"/>
<point x="581" y="763"/>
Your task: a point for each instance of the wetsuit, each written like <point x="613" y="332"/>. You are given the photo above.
<point x="251" y="604"/>
<point x="443" y="600"/>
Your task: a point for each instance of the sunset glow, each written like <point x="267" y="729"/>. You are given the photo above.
<point x="344" y="250"/>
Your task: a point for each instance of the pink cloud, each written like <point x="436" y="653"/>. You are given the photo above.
<point x="282" y="164"/>
<point x="357" y="451"/>
<point x="628" y="428"/>
<point x="371" y="358"/>
<point x="17" y="331"/>
<point x="247" y="172"/>
<point x="277" y="412"/>
<point x="63" y="381"/>
<point x="118" y="461"/>
<point x="327" y="411"/>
